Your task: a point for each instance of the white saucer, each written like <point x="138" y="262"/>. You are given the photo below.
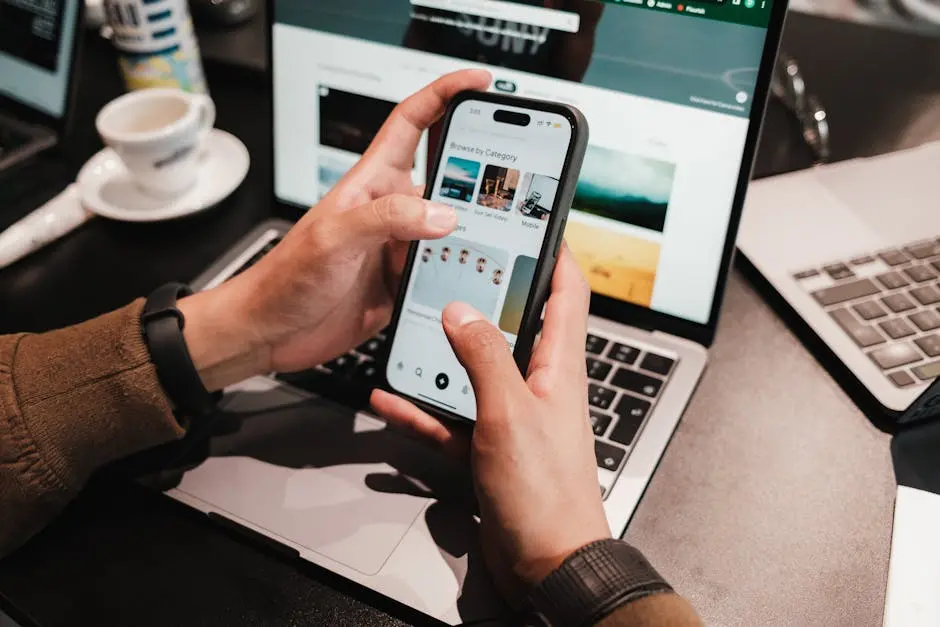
<point x="107" y="189"/>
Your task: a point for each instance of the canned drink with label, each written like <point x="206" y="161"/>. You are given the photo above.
<point x="156" y="44"/>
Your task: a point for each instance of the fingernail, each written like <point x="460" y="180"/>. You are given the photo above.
<point x="458" y="314"/>
<point x="441" y="216"/>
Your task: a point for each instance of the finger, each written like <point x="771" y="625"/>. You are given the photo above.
<point x="566" y="314"/>
<point x="484" y="353"/>
<point x="397" y="140"/>
<point x="419" y="190"/>
<point x="404" y="415"/>
<point x="401" y="217"/>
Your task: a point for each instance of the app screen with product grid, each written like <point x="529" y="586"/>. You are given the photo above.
<point x="502" y="180"/>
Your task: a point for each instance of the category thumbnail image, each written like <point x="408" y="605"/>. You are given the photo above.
<point x="460" y="177"/>
<point x="523" y="271"/>
<point x="615" y="264"/>
<point x="453" y="269"/>
<point x="498" y="187"/>
<point x="349" y="121"/>
<point x="625" y="187"/>
<point x="536" y="196"/>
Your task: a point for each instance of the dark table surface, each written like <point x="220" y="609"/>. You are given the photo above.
<point x="772" y="505"/>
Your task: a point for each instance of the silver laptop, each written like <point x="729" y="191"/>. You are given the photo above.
<point x="674" y="95"/>
<point x="854" y="249"/>
<point x="38" y="46"/>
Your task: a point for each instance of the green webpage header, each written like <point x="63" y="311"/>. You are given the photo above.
<point x="747" y="12"/>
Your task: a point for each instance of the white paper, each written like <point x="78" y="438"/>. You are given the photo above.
<point x="913" y="598"/>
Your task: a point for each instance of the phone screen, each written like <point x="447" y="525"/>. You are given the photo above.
<point x="500" y="169"/>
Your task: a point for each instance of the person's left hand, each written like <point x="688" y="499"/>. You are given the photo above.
<point x="330" y="284"/>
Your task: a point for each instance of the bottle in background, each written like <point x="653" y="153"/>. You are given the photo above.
<point x="156" y="44"/>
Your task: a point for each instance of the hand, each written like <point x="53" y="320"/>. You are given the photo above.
<point x="532" y="450"/>
<point x="330" y="284"/>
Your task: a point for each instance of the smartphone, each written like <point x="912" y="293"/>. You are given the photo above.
<point x="509" y="167"/>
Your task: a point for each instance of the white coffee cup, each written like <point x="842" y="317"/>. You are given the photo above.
<point x="158" y="134"/>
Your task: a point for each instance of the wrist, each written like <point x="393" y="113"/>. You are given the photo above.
<point x="591" y="583"/>
<point x="534" y="572"/>
<point x="221" y="339"/>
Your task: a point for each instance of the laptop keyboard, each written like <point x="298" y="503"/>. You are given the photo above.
<point x="888" y="302"/>
<point x="624" y="383"/>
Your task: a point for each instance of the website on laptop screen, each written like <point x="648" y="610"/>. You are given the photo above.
<point x="666" y="87"/>
<point x="36" y="39"/>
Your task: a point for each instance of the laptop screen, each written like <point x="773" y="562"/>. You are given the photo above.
<point x="666" y="86"/>
<point x="36" y="38"/>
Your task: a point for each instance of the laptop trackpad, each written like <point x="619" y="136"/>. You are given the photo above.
<point x="322" y="478"/>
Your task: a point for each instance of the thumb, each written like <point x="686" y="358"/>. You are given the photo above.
<point x="400" y="217"/>
<point x="485" y="355"/>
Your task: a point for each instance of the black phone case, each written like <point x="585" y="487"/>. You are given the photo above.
<point x="555" y="229"/>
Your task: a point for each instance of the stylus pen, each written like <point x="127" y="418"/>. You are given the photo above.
<point x="59" y="216"/>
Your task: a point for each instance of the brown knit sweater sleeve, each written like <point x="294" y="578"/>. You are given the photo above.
<point x="71" y="401"/>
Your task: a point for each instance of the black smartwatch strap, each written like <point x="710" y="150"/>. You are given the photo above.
<point x="591" y="583"/>
<point x="162" y="326"/>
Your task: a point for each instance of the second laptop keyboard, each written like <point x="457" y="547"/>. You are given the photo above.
<point x="888" y="302"/>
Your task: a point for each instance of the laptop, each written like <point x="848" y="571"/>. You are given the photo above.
<point x="854" y="249"/>
<point x="38" y="56"/>
<point x="674" y="94"/>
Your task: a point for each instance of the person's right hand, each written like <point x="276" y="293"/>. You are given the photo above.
<point x="532" y="450"/>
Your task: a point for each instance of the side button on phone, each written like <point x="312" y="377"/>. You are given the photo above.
<point x="560" y="238"/>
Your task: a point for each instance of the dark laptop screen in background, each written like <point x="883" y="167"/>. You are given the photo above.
<point x="665" y="85"/>
<point x="36" y="39"/>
